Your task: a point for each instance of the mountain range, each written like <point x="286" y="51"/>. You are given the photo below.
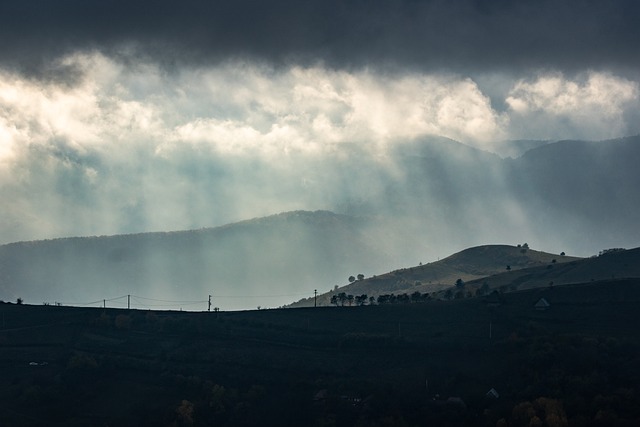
<point x="388" y="210"/>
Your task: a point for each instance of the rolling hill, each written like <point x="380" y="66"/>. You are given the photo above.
<point x="486" y="266"/>
<point x="467" y="265"/>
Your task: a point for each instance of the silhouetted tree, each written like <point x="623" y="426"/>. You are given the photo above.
<point x="508" y="268"/>
<point x="403" y="299"/>
<point x="383" y="299"/>
<point x="484" y="289"/>
<point x="360" y="276"/>
<point x="342" y="297"/>
<point x="459" y="284"/>
<point x="19" y="301"/>
<point x="361" y="299"/>
<point x="350" y="299"/>
<point x="352" y="279"/>
<point x="416" y="296"/>
<point x="334" y="300"/>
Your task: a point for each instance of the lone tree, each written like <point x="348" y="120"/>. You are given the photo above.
<point x="352" y="279"/>
<point x="360" y="276"/>
<point x="459" y="284"/>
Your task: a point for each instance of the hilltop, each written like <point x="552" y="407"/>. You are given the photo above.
<point x="468" y="265"/>
<point x="482" y="269"/>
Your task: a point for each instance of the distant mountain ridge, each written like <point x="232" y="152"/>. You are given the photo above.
<point x="261" y="261"/>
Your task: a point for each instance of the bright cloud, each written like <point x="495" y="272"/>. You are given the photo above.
<point x="239" y="107"/>
<point x="593" y="107"/>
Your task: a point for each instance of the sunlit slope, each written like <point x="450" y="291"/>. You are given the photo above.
<point x="467" y="265"/>
<point x="621" y="264"/>
<point x="267" y="262"/>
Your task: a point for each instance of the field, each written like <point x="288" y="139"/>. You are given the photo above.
<point x="428" y="363"/>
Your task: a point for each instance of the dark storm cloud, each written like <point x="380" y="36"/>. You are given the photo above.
<point x="433" y="34"/>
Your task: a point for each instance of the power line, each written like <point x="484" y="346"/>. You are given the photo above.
<point x="261" y="296"/>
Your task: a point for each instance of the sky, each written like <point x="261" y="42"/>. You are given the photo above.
<point x="131" y="116"/>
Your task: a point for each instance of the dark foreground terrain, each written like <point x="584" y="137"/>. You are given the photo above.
<point x="428" y="363"/>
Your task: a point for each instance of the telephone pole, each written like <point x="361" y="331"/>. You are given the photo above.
<point x="315" y="297"/>
<point x="128" y="302"/>
<point x="209" y="307"/>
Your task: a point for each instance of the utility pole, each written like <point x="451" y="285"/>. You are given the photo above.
<point x="315" y="297"/>
<point x="209" y="308"/>
<point x="128" y="302"/>
<point x="104" y="303"/>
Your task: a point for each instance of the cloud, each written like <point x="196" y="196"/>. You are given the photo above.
<point x="427" y="36"/>
<point x="128" y="147"/>
<point x="593" y="107"/>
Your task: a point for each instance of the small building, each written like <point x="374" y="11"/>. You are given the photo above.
<point x="494" y="299"/>
<point x="542" y="305"/>
<point x="493" y="394"/>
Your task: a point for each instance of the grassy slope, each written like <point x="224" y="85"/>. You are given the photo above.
<point x="623" y="264"/>
<point x="468" y="265"/>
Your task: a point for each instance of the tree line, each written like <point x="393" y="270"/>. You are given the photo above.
<point x="341" y="299"/>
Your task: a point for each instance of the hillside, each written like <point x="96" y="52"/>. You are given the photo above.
<point x="373" y="365"/>
<point x="467" y="265"/>
<point x="607" y="266"/>
<point x="266" y="261"/>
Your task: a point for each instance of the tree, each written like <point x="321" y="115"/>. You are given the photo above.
<point x="350" y="299"/>
<point x="484" y="289"/>
<point x="372" y="300"/>
<point x="334" y="300"/>
<point x="360" y="276"/>
<point x="19" y="301"/>
<point x="508" y="268"/>
<point x="342" y="297"/>
<point x="403" y="298"/>
<point x="416" y="296"/>
<point x="459" y="284"/>
<point x="361" y="299"/>
<point x="383" y="299"/>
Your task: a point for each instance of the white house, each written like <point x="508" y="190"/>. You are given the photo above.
<point x="542" y="305"/>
